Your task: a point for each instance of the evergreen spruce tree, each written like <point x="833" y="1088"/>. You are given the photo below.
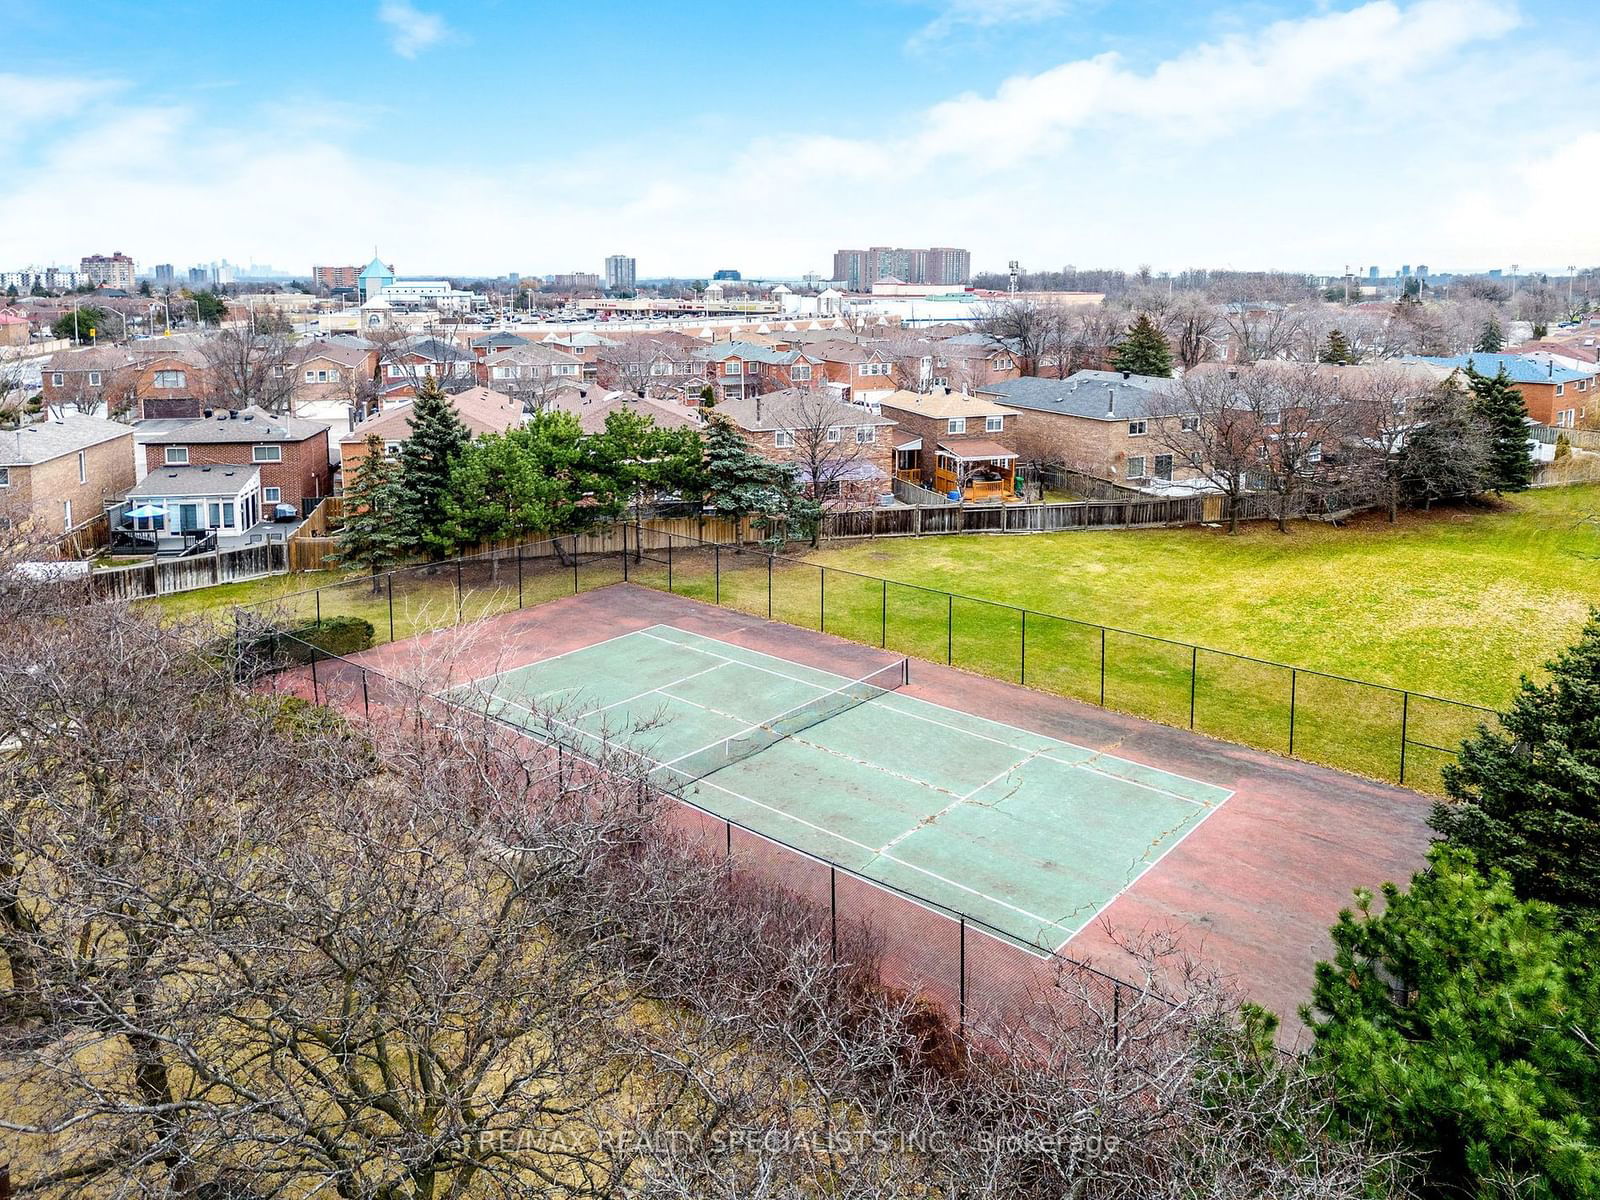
<point x="373" y="534"/>
<point x="1337" y="350"/>
<point x="1500" y="408"/>
<point x="1143" y="350"/>
<point x="739" y="482"/>
<point x="1491" y="338"/>
<point x="1456" y="1023"/>
<point x="1525" y="798"/>
<point x="429" y="455"/>
<point x="1446" y="453"/>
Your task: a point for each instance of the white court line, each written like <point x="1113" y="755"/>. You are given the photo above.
<point x="541" y="661"/>
<point x="983" y="736"/>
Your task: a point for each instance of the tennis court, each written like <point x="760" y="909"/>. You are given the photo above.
<point x="1032" y="835"/>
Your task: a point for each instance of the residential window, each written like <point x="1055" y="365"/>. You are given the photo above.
<point x="866" y="435"/>
<point x="171" y="379"/>
<point x="1163" y="466"/>
<point x="1583" y="385"/>
<point x="5" y="479"/>
<point x="956" y="425"/>
<point x="502" y="372"/>
<point x="1314" y="452"/>
<point x="392" y="449"/>
<point x="393" y="370"/>
<point x="94" y="378"/>
<point x="1561" y="389"/>
<point x="1189" y="424"/>
<point x="311" y="376"/>
<point x="1002" y="364"/>
<point x="214" y="515"/>
<point x="800" y="372"/>
<point x="266" y="454"/>
<point x="941" y="362"/>
<point x="1273" y="417"/>
<point x="272" y="495"/>
<point x="731" y="367"/>
<point x="83" y="466"/>
<point x="782" y="439"/>
<point x="1138" y="428"/>
<point x="277" y="372"/>
<point x="57" y="379"/>
<point x="994" y="424"/>
<point x="1136" y="466"/>
<point x="565" y="369"/>
<point x="177" y="456"/>
<point x="834" y="433"/>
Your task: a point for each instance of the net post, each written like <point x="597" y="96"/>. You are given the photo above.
<point x="1294" y="687"/>
<point x="1194" y="676"/>
<point x="1102" y="666"/>
<point x="1405" y="734"/>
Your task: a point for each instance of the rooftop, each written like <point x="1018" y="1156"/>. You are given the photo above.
<point x="792" y="408"/>
<point x="196" y="481"/>
<point x="1104" y="396"/>
<point x="240" y="425"/>
<point x="481" y="411"/>
<point x="942" y="403"/>
<point x="1517" y="368"/>
<point x="66" y="434"/>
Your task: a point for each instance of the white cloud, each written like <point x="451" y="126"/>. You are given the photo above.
<point x="984" y="14"/>
<point x="32" y="102"/>
<point x="411" y="30"/>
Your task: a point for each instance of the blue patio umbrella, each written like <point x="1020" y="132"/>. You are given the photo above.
<point x="146" y="510"/>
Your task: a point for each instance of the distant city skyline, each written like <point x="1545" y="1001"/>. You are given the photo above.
<point x="1285" y="134"/>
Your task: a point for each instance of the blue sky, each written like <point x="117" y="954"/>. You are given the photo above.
<point x="540" y="137"/>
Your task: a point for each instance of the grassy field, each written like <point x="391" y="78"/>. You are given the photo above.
<point x="1455" y="604"/>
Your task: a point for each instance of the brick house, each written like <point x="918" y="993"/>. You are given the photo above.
<point x="169" y="383"/>
<point x="1099" y="423"/>
<point x="1558" y="396"/>
<point x="654" y="362"/>
<point x="292" y="454"/>
<point x="60" y="472"/>
<point x="427" y="358"/>
<point x="14" y="329"/>
<point x="331" y="372"/>
<point x="86" y="378"/>
<point x="962" y="442"/>
<point x="841" y="453"/>
<point x="972" y="362"/>
<point x="529" y="366"/>
<point x="741" y="369"/>
<point x="481" y="411"/>
<point x="859" y="373"/>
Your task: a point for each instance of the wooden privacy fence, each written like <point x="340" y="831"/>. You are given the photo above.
<point x="82" y="541"/>
<point x="162" y="576"/>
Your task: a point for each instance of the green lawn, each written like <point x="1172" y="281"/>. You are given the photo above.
<point x="1455" y="604"/>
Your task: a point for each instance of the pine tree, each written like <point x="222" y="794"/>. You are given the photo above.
<point x="1499" y="406"/>
<point x="437" y="439"/>
<point x="1456" y="1023"/>
<point x="1143" y="350"/>
<point x="498" y="491"/>
<point x="1337" y="350"/>
<point x="373" y="534"/>
<point x="1446" y="452"/>
<point x="1525" y="798"/>
<point x="1491" y="338"/>
<point x="739" y="482"/>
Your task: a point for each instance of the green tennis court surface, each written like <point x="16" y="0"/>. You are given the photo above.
<point x="1030" y="835"/>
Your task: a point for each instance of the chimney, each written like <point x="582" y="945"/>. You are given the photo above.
<point x="1127" y="374"/>
<point x="758" y="410"/>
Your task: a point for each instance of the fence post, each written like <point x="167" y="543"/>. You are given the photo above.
<point x="366" y="700"/>
<point x="1405" y="734"/>
<point x="625" y="554"/>
<point x="961" y="1014"/>
<point x="1294" y="685"/>
<point x="822" y="599"/>
<point x="459" y="597"/>
<point x="883" y="617"/>
<point x="1022" y="674"/>
<point x="314" y="697"/>
<point x="769" y="587"/>
<point x="519" y="576"/>
<point x="728" y="852"/>
<point x="716" y="568"/>
<point x="833" y="908"/>
<point x="319" y="606"/>
<point x="574" y="564"/>
<point x="391" y="606"/>
<point x="1102" y="666"/>
<point x="1194" y="674"/>
<point x="950" y="628"/>
<point x="1116" y="1016"/>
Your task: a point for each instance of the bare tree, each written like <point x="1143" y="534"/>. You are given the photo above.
<point x="1022" y="327"/>
<point x="1263" y="330"/>
<point x="1302" y="419"/>
<point x="1211" y="423"/>
<point x="1383" y="404"/>
<point x="1191" y="325"/>
<point x="245" y="368"/>
<point x="828" y="449"/>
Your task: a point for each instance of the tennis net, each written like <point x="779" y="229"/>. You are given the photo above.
<point x="692" y="767"/>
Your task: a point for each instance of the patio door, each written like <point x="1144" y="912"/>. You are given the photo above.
<point x="189" y="518"/>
